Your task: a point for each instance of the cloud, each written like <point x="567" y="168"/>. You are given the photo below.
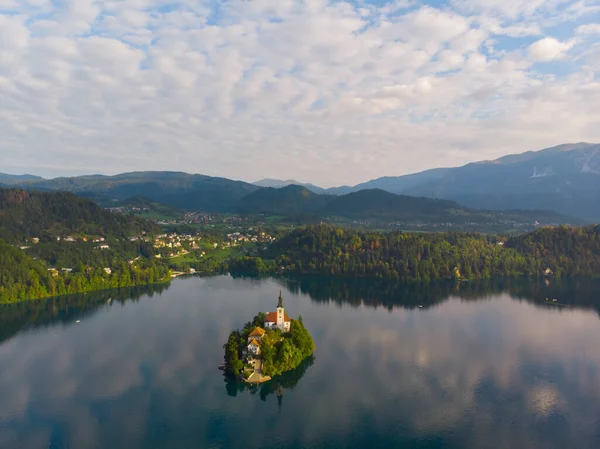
<point x="329" y="91"/>
<point x="590" y="28"/>
<point x="549" y="49"/>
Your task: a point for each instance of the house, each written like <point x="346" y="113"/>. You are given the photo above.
<point x="69" y="239"/>
<point x="254" y="347"/>
<point x="278" y="319"/>
<point x="256" y="334"/>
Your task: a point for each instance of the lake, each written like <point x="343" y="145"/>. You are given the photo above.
<point x="476" y="365"/>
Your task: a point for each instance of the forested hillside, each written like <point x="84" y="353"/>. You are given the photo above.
<point x="324" y="249"/>
<point x="47" y="215"/>
<point x="22" y="277"/>
<point x="56" y="243"/>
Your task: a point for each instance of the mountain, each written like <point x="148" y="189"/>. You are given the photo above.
<point x="377" y="203"/>
<point x="174" y="189"/>
<point x="565" y="178"/>
<point x="289" y="200"/>
<point x="7" y="179"/>
<point x="278" y="183"/>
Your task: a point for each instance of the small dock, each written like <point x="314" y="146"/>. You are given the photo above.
<point x="257" y="376"/>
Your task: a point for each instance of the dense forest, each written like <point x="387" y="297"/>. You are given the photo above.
<point x="47" y="215"/>
<point x="22" y="277"/>
<point x="50" y="245"/>
<point x="324" y="249"/>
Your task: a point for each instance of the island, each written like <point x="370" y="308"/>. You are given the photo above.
<point x="268" y="346"/>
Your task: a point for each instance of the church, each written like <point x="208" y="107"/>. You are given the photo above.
<point x="278" y="319"/>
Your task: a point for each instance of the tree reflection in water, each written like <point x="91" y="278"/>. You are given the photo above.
<point x="582" y="293"/>
<point x="277" y="385"/>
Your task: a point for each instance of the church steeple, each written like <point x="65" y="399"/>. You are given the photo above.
<point x="280" y="301"/>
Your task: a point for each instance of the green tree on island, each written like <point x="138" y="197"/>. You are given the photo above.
<point x="279" y="351"/>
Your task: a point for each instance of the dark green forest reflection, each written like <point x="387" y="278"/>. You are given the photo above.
<point x="580" y="293"/>
<point x="66" y="309"/>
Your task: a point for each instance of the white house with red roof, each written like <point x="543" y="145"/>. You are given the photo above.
<point x="278" y="319"/>
<point x="254" y="347"/>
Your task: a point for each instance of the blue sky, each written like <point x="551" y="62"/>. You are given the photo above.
<point x="330" y="92"/>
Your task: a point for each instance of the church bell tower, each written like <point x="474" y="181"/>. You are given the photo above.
<point x="280" y="312"/>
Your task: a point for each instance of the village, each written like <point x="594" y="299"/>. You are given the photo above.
<point x="172" y="245"/>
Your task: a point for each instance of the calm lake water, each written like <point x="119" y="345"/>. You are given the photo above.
<point x="488" y="365"/>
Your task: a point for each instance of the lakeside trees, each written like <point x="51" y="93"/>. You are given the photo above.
<point x="327" y="250"/>
<point x="22" y="277"/>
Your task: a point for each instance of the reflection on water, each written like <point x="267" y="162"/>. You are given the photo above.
<point x="481" y="365"/>
<point x="286" y="381"/>
<point x="389" y="294"/>
<point x="66" y="309"/>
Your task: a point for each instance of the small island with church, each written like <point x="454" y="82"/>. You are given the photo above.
<point x="269" y="345"/>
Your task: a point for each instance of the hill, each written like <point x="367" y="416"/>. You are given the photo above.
<point x="278" y="183"/>
<point x="565" y="178"/>
<point x="174" y="189"/>
<point x="47" y="215"/>
<point x="8" y="179"/>
<point x="54" y="243"/>
<point x="377" y="203"/>
<point x="289" y="200"/>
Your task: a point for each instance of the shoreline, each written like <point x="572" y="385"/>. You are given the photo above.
<point x="84" y="292"/>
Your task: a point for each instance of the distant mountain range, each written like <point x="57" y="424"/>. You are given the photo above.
<point x="8" y="180"/>
<point x="380" y="205"/>
<point x="565" y="179"/>
<point x="175" y="189"/>
<point x="278" y="183"/>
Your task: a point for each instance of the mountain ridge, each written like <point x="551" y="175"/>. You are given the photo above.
<point x="278" y="183"/>
<point x="564" y="178"/>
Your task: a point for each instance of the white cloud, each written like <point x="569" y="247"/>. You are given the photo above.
<point x="549" y="49"/>
<point x="324" y="91"/>
<point x="590" y="28"/>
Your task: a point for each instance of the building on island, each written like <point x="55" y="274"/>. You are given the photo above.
<point x="257" y="334"/>
<point x="254" y="347"/>
<point x="278" y="319"/>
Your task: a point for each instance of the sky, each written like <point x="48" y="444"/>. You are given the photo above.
<point x="329" y="92"/>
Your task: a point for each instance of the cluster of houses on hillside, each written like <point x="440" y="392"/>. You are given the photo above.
<point x="204" y="219"/>
<point x="236" y="238"/>
<point x="174" y="245"/>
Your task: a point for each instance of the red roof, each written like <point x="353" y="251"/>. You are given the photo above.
<point x="272" y="317"/>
